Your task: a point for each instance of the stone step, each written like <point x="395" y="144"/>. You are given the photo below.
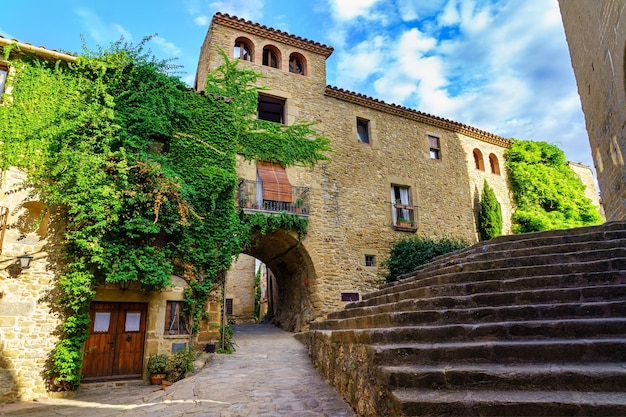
<point x="604" y="350"/>
<point x="459" y="276"/>
<point x="587" y="377"/>
<point x="436" y="403"/>
<point x="418" y="299"/>
<point x="478" y="315"/>
<point x="532" y="243"/>
<point x="519" y="330"/>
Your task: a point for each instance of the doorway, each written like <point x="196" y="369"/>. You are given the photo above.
<point x="115" y="345"/>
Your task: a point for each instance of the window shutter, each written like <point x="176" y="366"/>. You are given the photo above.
<point x="276" y="186"/>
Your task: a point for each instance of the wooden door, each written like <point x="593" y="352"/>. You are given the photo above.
<point x="114" y="348"/>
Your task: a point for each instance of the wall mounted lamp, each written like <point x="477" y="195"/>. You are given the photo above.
<point x="24" y="260"/>
<point x="124" y="285"/>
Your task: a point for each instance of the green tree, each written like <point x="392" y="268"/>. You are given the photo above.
<point x="490" y="216"/>
<point x="407" y="254"/>
<point x="548" y="194"/>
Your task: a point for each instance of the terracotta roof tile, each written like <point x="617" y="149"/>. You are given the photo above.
<point x="271" y="33"/>
<point x="417" y="115"/>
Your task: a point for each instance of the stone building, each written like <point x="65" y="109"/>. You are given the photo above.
<point x="395" y="172"/>
<point x="596" y="35"/>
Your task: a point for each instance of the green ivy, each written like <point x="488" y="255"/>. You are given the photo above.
<point x="548" y="194"/>
<point x="90" y="134"/>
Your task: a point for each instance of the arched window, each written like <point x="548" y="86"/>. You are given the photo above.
<point x="297" y="64"/>
<point x="271" y="57"/>
<point x="243" y="50"/>
<point x="478" y="159"/>
<point x="493" y="162"/>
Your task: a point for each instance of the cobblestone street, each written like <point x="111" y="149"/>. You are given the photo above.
<point x="269" y="375"/>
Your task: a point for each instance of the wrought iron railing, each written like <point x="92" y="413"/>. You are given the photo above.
<point x="250" y="197"/>
<point x="405" y="216"/>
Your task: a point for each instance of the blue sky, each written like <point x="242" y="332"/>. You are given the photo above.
<point x="502" y="66"/>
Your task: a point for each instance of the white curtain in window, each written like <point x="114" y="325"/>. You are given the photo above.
<point x="404" y="199"/>
<point x="259" y="190"/>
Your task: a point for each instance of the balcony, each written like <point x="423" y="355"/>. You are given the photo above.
<point x="250" y="199"/>
<point x="405" y="217"/>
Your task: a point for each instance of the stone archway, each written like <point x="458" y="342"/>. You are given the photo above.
<point x="294" y="278"/>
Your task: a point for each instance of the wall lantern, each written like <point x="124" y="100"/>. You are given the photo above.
<point x="24" y="260"/>
<point x="124" y="285"/>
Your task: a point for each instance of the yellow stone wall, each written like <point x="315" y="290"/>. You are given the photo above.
<point x="596" y="35"/>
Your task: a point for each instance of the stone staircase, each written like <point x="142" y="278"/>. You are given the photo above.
<point x="521" y="325"/>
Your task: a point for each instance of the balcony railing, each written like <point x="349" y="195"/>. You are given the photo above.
<point x="250" y="198"/>
<point x="405" y="217"/>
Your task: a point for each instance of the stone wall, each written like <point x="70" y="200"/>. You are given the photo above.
<point x="596" y="35"/>
<point x="240" y="284"/>
<point x="27" y="322"/>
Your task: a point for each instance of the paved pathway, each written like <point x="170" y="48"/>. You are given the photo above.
<point x="270" y="375"/>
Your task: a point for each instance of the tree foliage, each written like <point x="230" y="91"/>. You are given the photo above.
<point x="144" y="170"/>
<point x="407" y="254"/>
<point x="548" y="194"/>
<point x="490" y="216"/>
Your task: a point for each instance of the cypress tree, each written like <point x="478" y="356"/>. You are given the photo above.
<point x="490" y="216"/>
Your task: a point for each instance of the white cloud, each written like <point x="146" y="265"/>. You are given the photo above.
<point x="350" y="9"/>
<point x="201" y="20"/>
<point x="167" y="47"/>
<point x="497" y="65"/>
<point x="248" y="9"/>
<point x="100" y="31"/>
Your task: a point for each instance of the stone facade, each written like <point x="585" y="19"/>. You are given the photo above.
<point x="350" y="213"/>
<point x="596" y="35"/>
<point x="350" y="206"/>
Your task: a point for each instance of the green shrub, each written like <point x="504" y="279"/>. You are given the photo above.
<point x="407" y="254"/>
<point x="158" y="364"/>
<point x="181" y="363"/>
<point x="490" y="216"/>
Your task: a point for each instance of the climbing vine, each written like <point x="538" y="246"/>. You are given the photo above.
<point x="548" y="194"/>
<point x="143" y="170"/>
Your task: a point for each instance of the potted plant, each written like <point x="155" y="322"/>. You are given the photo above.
<point x="299" y="204"/>
<point x="404" y="222"/>
<point x="157" y="367"/>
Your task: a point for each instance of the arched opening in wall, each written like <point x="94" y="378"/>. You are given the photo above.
<point x="33" y="219"/>
<point x="278" y="273"/>
<point x="493" y="163"/>
<point x="243" y="49"/>
<point x="478" y="159"/>
<point x="271" y="56"/>
<point x="297" y="64"/>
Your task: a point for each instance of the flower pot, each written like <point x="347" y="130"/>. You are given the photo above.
<point x="165" y="383"/>
<point x="157" y="379"/>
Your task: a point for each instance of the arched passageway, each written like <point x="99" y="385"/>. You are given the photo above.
<point x="290" y="283"/>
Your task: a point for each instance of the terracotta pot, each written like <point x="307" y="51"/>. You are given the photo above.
<point x="157" y="379"/>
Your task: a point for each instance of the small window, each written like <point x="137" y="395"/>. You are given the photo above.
<point x="296" y="64"/>
<point x="229" y="306"/>
<point x="4" y="71"/>
<point x="270" y="57"/>
<point x="349" y="296"/>
<point x="493" y="163"/>
<point x="176" y="320"/>
<point x="363" y="130"/>
<point x="403" y="212"/>
<point x="271" y="109"/>
<point x="435" y="150"/>
<point x="242" y="50"/>
<point x="478" y="160"/>
<point x="370" y="260"/>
